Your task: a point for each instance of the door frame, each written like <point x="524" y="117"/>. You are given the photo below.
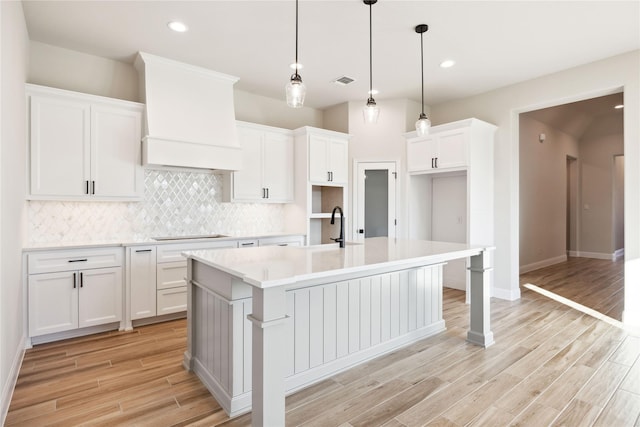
<point x="358" y="195"/>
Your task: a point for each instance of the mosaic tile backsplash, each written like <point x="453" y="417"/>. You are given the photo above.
<point x="175" y="203"/>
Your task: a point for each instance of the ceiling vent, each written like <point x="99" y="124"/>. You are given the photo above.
<point x="344" y="80"/>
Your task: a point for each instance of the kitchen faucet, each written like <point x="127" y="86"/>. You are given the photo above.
<point x="340" y="239"/>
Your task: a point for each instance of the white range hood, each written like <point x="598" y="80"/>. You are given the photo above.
<point x="190" y="120"/>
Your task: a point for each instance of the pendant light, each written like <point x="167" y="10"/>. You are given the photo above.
<point x="371" y="110"/>
<point x="423" y="124"/>
<point x="295" y="89"/>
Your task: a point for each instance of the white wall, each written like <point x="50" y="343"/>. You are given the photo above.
<point x="382" y="141"/>
<point x="597" y="172"/>
<point x="274" y="112"/>
<point x="14" y="45"/>
<point x="68" y="69"/>
<point x="502" y="106"/>
<point x="543" y="193"/>
<point x="618" y="203"/>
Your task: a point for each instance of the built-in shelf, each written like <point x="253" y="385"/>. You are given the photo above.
<point x="320" y="215"/>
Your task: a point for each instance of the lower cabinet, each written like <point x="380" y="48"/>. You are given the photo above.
<point x="77" y="298"/>
<point x="141" y="281"/>
<point x="171" y="293"/>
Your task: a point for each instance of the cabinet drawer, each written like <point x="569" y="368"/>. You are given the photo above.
<point x="282" y="241"/>
<point x="67" y="260"/>
<point x="172" y="252"/>
<point x="171" y="274"/>
<point x="247" y="243"/>
<point x="172" y="300"/>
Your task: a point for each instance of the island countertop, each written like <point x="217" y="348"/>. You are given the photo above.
<point x="266" y="267"/>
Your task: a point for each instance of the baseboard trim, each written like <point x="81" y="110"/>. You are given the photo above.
<point x="594" y="255"/>
<point x="541" y="264"/>
<point x="619" y="253"/>
<point x="506" y="294"/>
<point x="12" y="379"/>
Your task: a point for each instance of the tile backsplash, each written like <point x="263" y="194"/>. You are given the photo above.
<point x="175" y="203"/>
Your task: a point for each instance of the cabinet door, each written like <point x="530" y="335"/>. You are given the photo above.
<point x="338" y="159"/>
<point x="421" y="154"/>
<point x="116" y="168"/>
<point x="100" y="296"/>
<point x="142" y="280"/>
<point x="452" y="149"/>
<point x="60" y="136"/>
<point x="247" y="182"/>
<point x="318" y="167"/>
<point x="53" y="302"/>
<point x="277" y="175"/>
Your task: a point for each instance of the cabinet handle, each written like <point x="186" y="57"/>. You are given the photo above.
<point x="74" y="280"/>
<point x="143" y="250"/>
<point x="328" y="176"/>
<point x="283" y="244"/>
<point x="86" y="187"/>
<point x="93" y="187"/>
<point x="247" y="244"/>
<point x="81" y="281"/>
<point x="267" y="193"/>
<point x="432" y="165"/>
<point x="78" y="260"/>
<point x="436" y="163"/>
<point x="264" y="193"/>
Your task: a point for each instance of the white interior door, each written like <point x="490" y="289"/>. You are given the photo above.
<point x="375" y="202"/>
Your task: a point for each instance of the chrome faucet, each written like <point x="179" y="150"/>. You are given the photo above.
<point x="340" y="239"/>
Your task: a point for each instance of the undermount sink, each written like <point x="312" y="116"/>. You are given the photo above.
<point x="201" y="236"/>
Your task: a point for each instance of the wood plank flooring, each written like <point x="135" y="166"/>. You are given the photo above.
<point x="594" y="283"/>
<point x="551" y="365"/>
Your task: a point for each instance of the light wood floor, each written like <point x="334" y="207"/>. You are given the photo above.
<point x="594" y="283"/>
<point x="551" y="365"/>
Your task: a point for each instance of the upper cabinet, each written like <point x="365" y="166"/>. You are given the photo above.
<point x="328" y="157"/>
<point x="83" y="147"/>
<point x="442" y="149"/>
<point x="267" y="172"/>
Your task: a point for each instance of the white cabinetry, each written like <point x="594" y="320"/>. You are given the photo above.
<point x="443" y="149"/>
<point x="281" y="241"/>
<point x="141" y="281"/>
<point x="267" y="171"/>
<point x="171" y="271"/>
<point x="328" y="157"/>
<point x="83" y="146"/>
<point x="322" y="157"/>
<point x="74" y="289"/>
<point x="452" y="199"/>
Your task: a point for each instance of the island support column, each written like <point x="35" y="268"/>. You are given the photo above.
<point x="480" y="304"/>
<point x="268" y="354"/>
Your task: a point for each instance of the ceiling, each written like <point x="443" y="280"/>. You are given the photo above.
<point x="577" y="118"/>
<point x="494" y="43"/>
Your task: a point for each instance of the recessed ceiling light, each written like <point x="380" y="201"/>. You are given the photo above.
<point x="447" y="63"/>
<point x="296" y="66"/>
<point x="619" y="106"/>
<point x="177" y="26"/>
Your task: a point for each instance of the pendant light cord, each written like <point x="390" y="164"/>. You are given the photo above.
<point x="422" y="71"/>
<point x="296" y="64"/>
<point x="370" y="54"/>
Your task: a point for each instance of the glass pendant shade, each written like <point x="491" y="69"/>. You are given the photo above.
<point x="422" y="125"/>
<point x="371" y="111"/>
<point x="296" y="91"/>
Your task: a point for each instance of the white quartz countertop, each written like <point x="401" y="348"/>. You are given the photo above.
<point x="276" y="266"/>
<point x="148" y="241"/>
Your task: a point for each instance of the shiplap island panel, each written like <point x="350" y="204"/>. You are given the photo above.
<point x="265" y="322"/>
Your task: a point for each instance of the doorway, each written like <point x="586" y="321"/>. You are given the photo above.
<point x="375" y="201"/>
<point x="572" y="206"/>
<point x="571" y="194"/>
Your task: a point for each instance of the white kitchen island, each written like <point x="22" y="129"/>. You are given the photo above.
<point x="267" y="321"/>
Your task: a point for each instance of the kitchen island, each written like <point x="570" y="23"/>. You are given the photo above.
<point x="265" y="322"/>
